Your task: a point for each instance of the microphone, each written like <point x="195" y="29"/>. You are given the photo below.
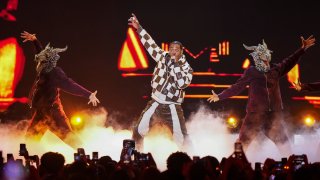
<point x="168" y="58"/>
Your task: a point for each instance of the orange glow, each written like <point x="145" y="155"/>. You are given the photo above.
<point x="196" y="96"/>
<point x="214" y="74"/>
<point x="204" y="74"/>
<point x="312" y="98"/>
<point x="309" y="121"/>
<point x="137" y="47"/>
<point x="132" y="56"/>
<point x="306" y="98"/>
<point x="165" y="46"/>
<point x="76" y="120"/>
<point x="212" y="85"/>
<point x="209" y="85"/>
<point x="232" y="122"/>
<point x="7" y="65"/>
<point x="293" y="74"/>
<point x="22" y="100"/>
<point x="126" y="61"/>
<point x="12" y="5"/>
<point x="195" y="74"/>
<point x="11" y="68"/>
<point x="88" y="135"/>
<point x="223" y="48"/>
<point x="192" y="55"/>
<point x="227" y="44"/>
<point x="246" y="63"/>
<point x="214" y="55"/>
<point x="135" y="74"/>
<point x="315" y="100"/>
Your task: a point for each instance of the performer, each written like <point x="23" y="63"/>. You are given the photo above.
<point x="171" y="75"/>
<point x="44" y="96"/>
<point x="264" y="108"/>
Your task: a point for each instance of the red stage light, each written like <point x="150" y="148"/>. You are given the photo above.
<point x="132" y="55"/>
<point x="11" y="69"/>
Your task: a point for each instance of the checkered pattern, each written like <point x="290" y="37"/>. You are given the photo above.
<point x="169" y="77"/>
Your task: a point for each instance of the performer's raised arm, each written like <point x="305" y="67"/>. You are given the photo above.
<point x="153" y="49"/>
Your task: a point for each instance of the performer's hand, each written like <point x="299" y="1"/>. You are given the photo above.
<point x="133" y="21"/>
<point x="306" y="43"/>
<point x="28" y="37"/>
<point x="213" y="98"/>
<point x="297" y="85"/>
<point x="93" y="99"/>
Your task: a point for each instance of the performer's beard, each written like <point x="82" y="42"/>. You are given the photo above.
<point x="261" y="66"/>
<point x="46" y="62"/>
<point x="45" y="66"/>
<point x="261" y="56"/>
<point x="47" y="58"/>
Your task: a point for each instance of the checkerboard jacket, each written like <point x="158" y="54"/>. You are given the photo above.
<point x="169" y="77"/>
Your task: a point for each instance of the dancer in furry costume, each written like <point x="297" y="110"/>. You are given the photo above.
<point x="44" y="96"/>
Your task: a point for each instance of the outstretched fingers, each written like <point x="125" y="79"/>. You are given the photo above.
<point x="213" y="97"/>
<point x="27" y="36"/>
<point x="310" y="37"/>
<point x="93" y="99"/>
<point x="134" y="16"/>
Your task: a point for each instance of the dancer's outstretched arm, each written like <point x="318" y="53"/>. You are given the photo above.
<point x="288" y="63"/>
<point x="233" y="90"/>
<point x="308" y="87"/>
<point x="70" y="86"/>
<point x="32" y="37"/>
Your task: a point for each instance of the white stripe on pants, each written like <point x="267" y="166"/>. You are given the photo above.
<point x="177" y="133"/>
<point x="143" y="127"/>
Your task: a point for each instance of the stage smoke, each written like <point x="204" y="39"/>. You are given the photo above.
<point x="207" y="130"/>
